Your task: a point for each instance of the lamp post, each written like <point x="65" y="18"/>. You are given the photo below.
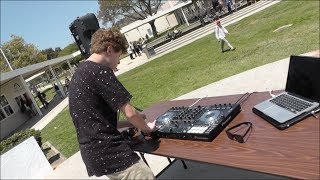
<point x="6" y="59"/>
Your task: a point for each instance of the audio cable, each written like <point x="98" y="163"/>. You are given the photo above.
<point x="244" y="98"/>
<point x="198" y="101"/>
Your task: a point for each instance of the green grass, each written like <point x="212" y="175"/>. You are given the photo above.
<point x="201" y="62"/>
<point x="62" y="134"/>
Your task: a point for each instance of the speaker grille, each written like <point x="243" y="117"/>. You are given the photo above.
<point x="82" y="30"/>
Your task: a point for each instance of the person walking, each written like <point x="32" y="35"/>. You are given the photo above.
<point x="96" y="98"/>
<point x="42" y="98"/>
<point x="130" y="52"/>
<point x="221" y="32"/>
<point x="58" y="91"/>
<point x="229" y="4"/>
<point x="132" y="49"/>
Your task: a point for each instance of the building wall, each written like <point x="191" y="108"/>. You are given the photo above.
<point x="11" y="123"/>
<point x="162" y="24"/>
<point x="172" y="20"/>
<point x="11" y="90"/>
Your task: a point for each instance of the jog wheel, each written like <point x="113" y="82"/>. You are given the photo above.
<point x="165" y="118"/>
<point x="210" y="117"/>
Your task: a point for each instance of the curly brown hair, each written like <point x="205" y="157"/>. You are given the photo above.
<point x="103" y="38"/>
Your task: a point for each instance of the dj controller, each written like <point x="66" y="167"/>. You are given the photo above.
<point x="200" y="123"/>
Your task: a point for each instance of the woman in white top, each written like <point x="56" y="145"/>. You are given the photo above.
<point x="130" y="52"/>
<point x="221" y="36"/>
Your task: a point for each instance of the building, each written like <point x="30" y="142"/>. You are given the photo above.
<point x="170" y="14"/>
<point x="166" y="18"/>
<point x="14" y="88"/>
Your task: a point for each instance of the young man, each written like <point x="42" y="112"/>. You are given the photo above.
<point x="42" y="99"/>
<point x="58" y="92"/>
<point x="95" y="96"/>
<point x="221" y="35"/>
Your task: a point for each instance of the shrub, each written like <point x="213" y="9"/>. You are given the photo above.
<point x="18" y="137"/>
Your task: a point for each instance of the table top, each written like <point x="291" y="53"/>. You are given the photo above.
<point x="293" y="152"/>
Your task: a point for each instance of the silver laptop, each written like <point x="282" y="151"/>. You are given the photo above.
<point x="302" y="93"/>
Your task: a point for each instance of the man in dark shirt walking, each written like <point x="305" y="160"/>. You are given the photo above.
<point x="42" y="99"/>
<point x="95" y="96"/>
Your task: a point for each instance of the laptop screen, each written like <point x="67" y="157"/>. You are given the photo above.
<point x="304" y="77"/>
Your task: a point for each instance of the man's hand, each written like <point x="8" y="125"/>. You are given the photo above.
<point x="152" y="125"/>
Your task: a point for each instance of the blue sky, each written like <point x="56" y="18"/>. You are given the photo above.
<point x="43" y="23"/>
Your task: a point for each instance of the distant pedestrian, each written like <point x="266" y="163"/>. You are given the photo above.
<point x="235" y="5"/>
<point x="42" y="98"/>
<point x="221" y="32"/>
<point x="217" y="6"/>
<point x="228" y="4"/>
<point x="25" y="109"/>
<point x="130" y="52"/>
<point x="140" y="45"/>
<point x="136" y="48"/>
<point x="58" y="91"/>
<point x="29" y="105"/>
<point x="132" y="48"/>
<point x="66" y="83"/>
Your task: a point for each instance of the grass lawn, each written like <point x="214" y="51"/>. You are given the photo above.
<point x="62" y="134"/>
<point x="201" y="62"/>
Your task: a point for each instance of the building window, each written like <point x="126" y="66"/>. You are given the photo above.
<point x="2" y="116"/>
<point x="5" y="108"/>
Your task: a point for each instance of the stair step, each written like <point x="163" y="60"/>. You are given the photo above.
<point x="57" y="162"/>
<point x="53" y="156"/>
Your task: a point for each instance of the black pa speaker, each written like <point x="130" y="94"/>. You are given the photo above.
<point x="82" y="30"/>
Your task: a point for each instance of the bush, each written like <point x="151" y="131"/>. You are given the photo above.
<point x="19" y="137"/>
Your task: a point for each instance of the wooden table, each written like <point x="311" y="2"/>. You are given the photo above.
<point x="293" y="152"/>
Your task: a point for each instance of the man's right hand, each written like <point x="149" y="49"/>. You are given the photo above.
<point x="152" y="125"/>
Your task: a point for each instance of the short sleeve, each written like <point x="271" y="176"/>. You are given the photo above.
<point x="111" y="90"/>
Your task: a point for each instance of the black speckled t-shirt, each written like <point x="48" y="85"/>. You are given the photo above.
<point x="95" y="95"/>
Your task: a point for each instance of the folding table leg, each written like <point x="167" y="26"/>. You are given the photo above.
<point x="143" y="158"/>
<point x="184" y="164"/>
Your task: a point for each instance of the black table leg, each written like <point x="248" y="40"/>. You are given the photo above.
<point x="184" y="164"/>
<point x="143" y="158"/>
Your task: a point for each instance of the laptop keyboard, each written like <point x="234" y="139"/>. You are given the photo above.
<point x="290" y="103"/>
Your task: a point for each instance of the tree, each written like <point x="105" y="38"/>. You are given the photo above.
<point x="111" y="11"/>
<point x="20" y="54"/>
<point x="51" y="54"/>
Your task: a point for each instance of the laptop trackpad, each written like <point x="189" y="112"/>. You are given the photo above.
<point x="279" y="114"/>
